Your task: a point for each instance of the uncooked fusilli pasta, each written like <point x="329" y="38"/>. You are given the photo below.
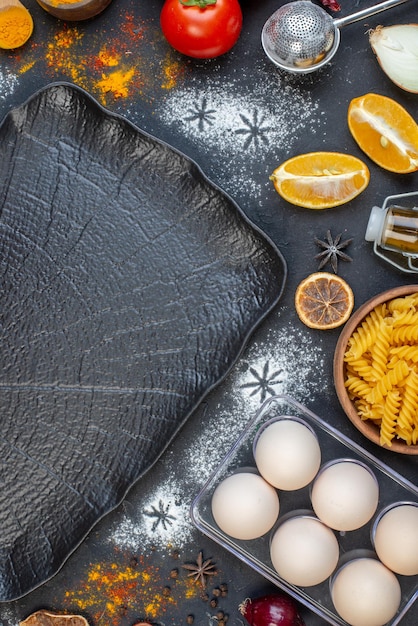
<point x="381" y="364"/>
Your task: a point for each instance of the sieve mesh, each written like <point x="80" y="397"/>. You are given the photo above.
<point x="298" y="33"/>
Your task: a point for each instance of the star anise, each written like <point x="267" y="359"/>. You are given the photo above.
<point x="201" y="569"/>
<point x="332" y="251"/>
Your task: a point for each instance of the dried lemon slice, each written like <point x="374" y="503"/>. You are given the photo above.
<point x="320" y="180"/>
<point x="324" y="301"/>
<point x="385" y="131"/>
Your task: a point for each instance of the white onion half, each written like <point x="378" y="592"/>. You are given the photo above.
<point x="396" y="49"/>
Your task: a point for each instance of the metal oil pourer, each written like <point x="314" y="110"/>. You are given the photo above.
<point x="393" y="229"/>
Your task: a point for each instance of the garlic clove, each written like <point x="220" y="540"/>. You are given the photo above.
<point x="396" y="49"/>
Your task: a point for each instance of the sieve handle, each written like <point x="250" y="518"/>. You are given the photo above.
<point x="359" y="15"/>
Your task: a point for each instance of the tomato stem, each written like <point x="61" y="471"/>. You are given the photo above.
<point x="202" y="4"/>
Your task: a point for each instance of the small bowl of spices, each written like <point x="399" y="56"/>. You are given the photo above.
<point x="74" y="10"/>
<point x="16" y="24"/>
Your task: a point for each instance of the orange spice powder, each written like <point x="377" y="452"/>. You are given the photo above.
<point x="106" y="58"/>
<point x="56" y="3"/>
<point x="109" y="589"/>
<point x="117" y="82"/>
<point x="60" y="54"/>
<point x="172" y="70"/>
<point x="138" y="587"/>
<point x="26" y="67"/>
<point x="119" y="68"/>
<point x="133" y="29"/>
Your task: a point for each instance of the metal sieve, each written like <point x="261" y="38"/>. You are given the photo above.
<point x="301" y="36"/>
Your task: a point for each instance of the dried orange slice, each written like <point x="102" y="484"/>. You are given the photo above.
<point x="46" y="618"/>
<point x="324" y="301"/>
<point x="320" y="180"/>
<point x="385" y="131"/>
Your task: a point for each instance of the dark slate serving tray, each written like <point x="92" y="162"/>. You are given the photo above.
<point x="129" y="286"/>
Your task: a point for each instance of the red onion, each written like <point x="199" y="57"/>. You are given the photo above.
<point x="274" y="609"/>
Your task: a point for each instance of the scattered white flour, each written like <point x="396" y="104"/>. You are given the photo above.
<point x="8" y="83"/>
<point x="9" y="617"/>
<point x="163" y="519"/>
<point x="246" y="127"/>
<point x="164" y="516"/>
<point x="275" y="362"/>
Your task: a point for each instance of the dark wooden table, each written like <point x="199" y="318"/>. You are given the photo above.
<point x="238" y="117"/>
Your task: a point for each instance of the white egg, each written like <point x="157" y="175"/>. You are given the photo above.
<point x="287" y="454"/>
<point x="345" y="495"/>
<point x="304" y="551"/>
<point x="245" y="506"/>
<point x="395" y="539"/>
<point x="366" y="593"/>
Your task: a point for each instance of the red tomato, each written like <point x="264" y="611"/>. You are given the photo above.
<point x="201" y="30"/>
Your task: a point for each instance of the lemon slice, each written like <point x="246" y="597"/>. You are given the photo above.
<point x="320" y="180"/>
<point x="385" y="131"/>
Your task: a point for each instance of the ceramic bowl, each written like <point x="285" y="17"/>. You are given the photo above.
<point x="367" y="427"/>
<point x="73" y="10"/>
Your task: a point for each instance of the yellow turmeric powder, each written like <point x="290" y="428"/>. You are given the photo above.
<point x="116" y="82"/>
<point x="16" y="24"/>
<point x="57" y="3"/>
